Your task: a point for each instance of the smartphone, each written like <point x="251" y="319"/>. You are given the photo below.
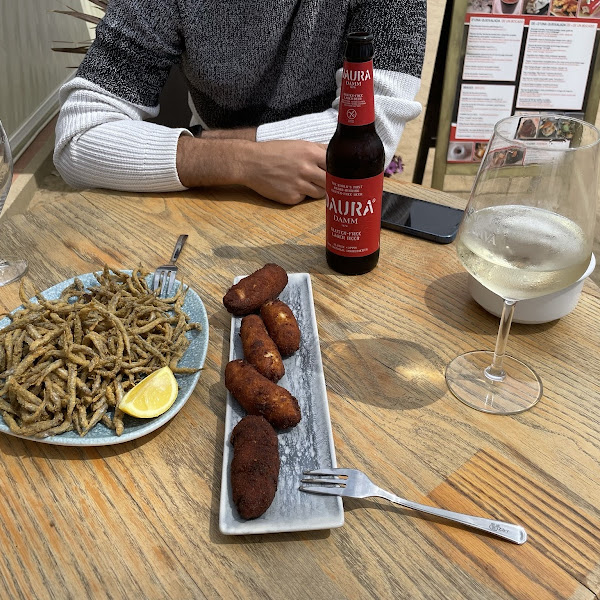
<point x="420" y="218"/>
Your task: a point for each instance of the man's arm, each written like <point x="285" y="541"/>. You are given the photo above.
<point x="284" y="171"/>
<point x="245" y="133"/>
<point x="102" y="141"/>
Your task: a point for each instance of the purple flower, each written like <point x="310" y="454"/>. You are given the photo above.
<point x="396" y="166"/>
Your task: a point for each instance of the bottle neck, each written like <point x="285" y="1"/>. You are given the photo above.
<point x="357" y="103"/>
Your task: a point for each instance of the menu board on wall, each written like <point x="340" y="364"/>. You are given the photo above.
<point x="521" y="56"/>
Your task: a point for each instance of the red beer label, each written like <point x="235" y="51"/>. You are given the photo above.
<point x="357" y="106"/>
<point x="353" y="215"/>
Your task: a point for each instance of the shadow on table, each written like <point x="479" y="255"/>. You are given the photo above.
<point x="238" y="194"/>
<point x="387" y="373"/>
<point x="449" y="301"/>
<point x="304" y="258"/>
<point x="15" y="446"/>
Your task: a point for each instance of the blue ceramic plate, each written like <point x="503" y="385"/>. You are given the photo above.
<point x="309" y="445"/>
<point x="100" y="435"/>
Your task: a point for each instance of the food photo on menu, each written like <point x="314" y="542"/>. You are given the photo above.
<point x="495" y="159"/>
<point x="563" y="8"/>
<point x="514" y="156"/>
<point x="589" y="8"/>
<point x="479" y="153"/>
<point x="548" y="128"/>
<point x="460" y="151"/>
<point x="566" y="129"/>
<point x="528" y="128"/>
<point x="536" y="7"/>
<point x="480" y="6"/>
<point x="507" y="7"/>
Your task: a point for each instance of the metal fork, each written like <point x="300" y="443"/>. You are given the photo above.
<point x="168" y="271"/>
<point x="355" y="484"/>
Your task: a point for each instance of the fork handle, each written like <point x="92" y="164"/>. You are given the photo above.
<point x="178" y="248"/>
<point x="508" y="531"/>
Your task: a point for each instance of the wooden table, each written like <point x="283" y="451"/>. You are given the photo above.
<point x="140" y="520"/>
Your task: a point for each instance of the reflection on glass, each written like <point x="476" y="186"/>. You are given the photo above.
<point x="527" y="231"/>
<point x="11" y="269"/>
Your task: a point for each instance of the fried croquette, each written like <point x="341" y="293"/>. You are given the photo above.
<point x="255" y="466"/>
<point x="260" y="396"/>
<point x="259" y="349"/>
<point x="281" y="326"/>
<point x="251" y="292"/>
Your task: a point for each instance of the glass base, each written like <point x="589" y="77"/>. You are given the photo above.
<point x="518" y="391"/>
<point x="11" y="269"/>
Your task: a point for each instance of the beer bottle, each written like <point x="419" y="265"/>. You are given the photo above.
<point x="355" y="163"/>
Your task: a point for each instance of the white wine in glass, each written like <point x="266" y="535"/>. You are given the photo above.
<point x="11" y="269"/>
<point x="527" y="231"/>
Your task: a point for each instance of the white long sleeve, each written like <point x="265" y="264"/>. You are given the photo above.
<point x="102" y="141"/>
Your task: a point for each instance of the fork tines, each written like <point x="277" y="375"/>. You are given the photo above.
<point x="325" y="486"/>
<point x="332" y="482"/>
<point x="171" y="283"/>
<point x="157" y="280"/>
<point x="160" y="283"/>
<point x="331" y="472"/>
<point x="325" y="490"/>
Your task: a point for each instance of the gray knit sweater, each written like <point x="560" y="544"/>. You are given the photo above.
<point x="265" y="63"/>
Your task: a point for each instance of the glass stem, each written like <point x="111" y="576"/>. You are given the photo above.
<point x="495" y="372"/>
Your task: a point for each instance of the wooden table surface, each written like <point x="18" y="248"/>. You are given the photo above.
<point x="140" y="519"/>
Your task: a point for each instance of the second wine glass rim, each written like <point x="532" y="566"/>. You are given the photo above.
<point x="526" y="142"/>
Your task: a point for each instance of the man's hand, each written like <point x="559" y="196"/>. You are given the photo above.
<point x="285" y="171"/>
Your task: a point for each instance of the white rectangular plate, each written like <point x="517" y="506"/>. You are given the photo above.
<point x="309" y="445"/>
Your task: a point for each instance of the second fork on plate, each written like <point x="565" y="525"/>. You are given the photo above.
<point x="166" y="274"/>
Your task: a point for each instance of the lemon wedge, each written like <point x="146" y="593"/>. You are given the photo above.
<point x="152" y="396"/>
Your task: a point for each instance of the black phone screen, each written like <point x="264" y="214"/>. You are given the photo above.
<point x="431" y="221"/>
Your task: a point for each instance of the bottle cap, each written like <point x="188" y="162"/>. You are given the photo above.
<point x="359" y="46"/>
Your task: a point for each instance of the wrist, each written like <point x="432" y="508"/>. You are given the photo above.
<point x="203" y="162"/>
<point x="243" y="153"/>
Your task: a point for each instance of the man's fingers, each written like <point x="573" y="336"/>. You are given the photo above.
<point x="322" y="159"/>
<point x="315" y="191"/>
<point x="288" y="171"/>
<point x="318" y="176"/>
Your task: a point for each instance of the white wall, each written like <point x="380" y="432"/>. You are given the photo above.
<point x="30" y="72"/>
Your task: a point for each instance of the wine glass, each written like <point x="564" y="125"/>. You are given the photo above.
<point x="11" y="269"/>
<point x="527" y="231"/>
